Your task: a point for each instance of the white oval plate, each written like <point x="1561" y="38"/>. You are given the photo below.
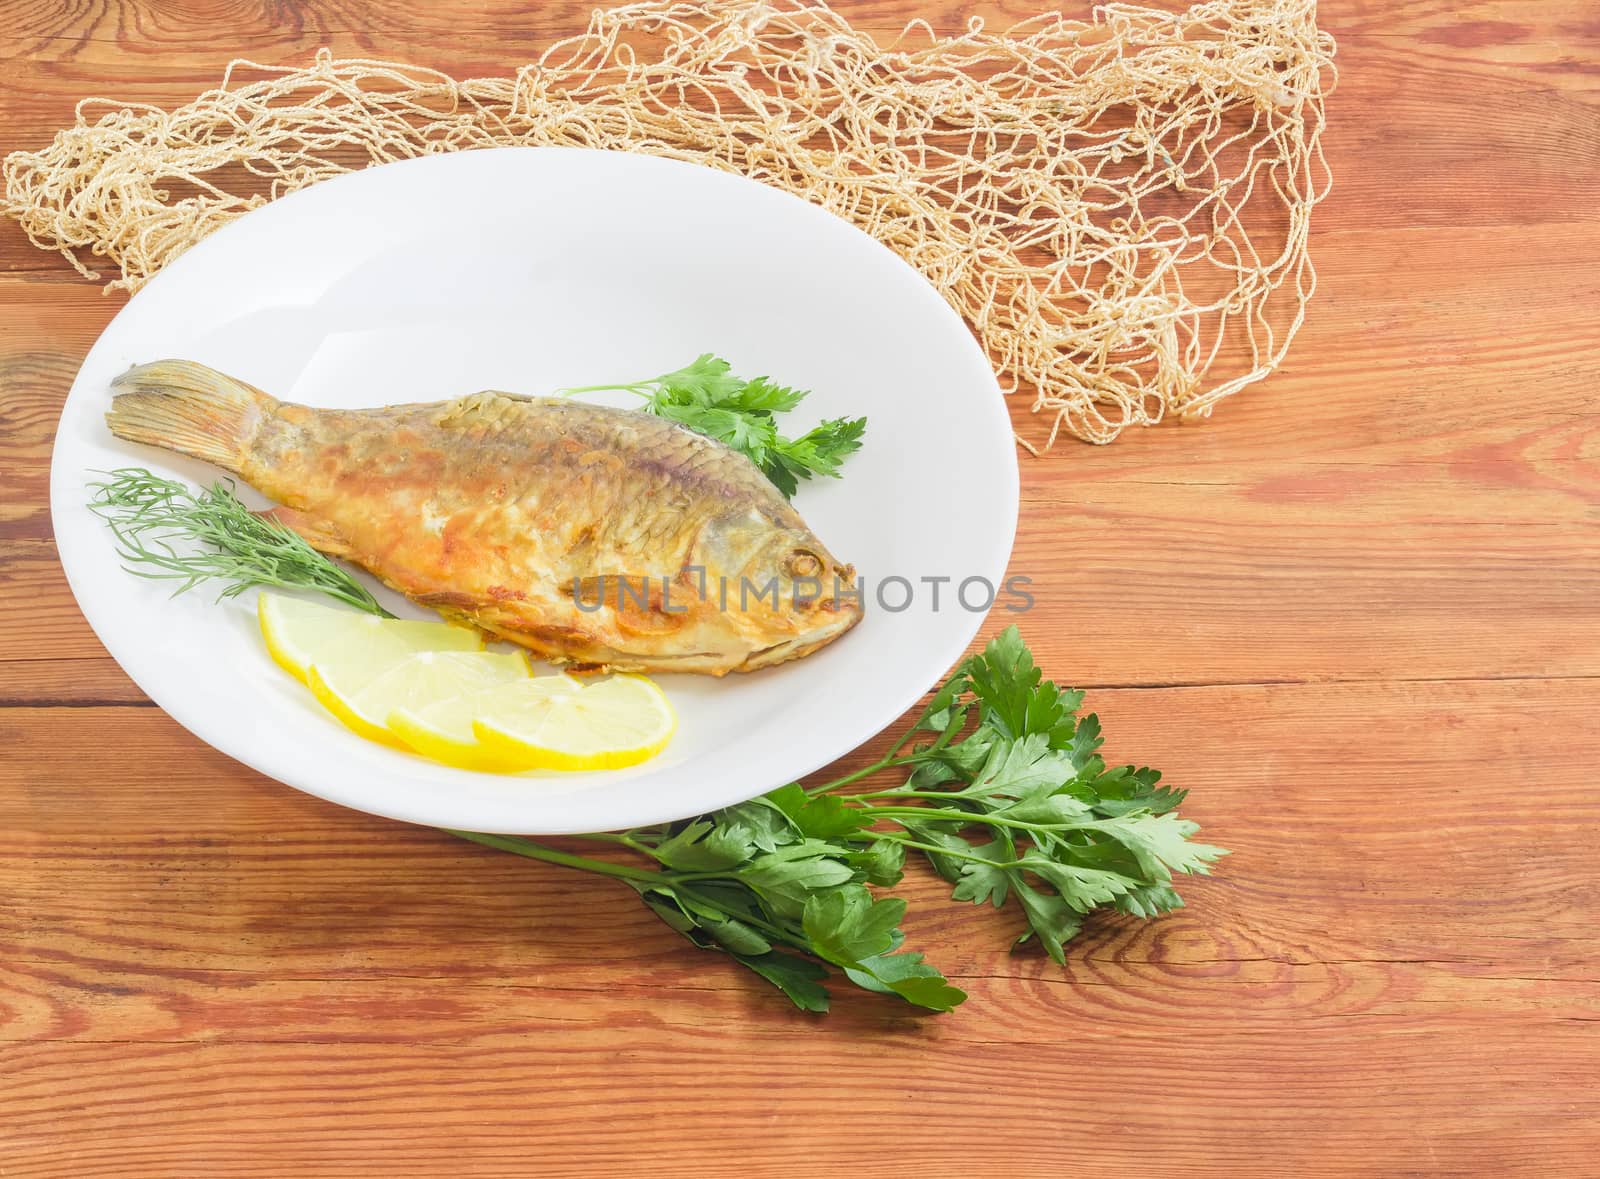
<point x="528" y="270"/>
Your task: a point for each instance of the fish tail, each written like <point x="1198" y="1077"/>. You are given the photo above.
<point x="189" y="408"/>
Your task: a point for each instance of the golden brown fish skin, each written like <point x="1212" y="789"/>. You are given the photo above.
<point x="493" y="508"/>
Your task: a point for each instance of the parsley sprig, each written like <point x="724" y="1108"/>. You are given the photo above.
<point x="1000" y="788"/>
<point x="706" y="397"/>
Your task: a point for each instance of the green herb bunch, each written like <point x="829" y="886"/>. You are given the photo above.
<point x="706" y="397"/>
<point x="158" y="522"/>
<point x="999" y="786"/>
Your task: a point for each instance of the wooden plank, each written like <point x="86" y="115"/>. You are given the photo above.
<point x="1348" y="990"/>
<point x="565" y="1098"/>
<point x="1462" y="93"/>
<point x="1290" y="777"/>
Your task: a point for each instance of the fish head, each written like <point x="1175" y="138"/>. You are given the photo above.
<point x="792" y="595"/>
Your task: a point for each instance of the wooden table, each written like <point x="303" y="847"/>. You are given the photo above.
<point x="1358" y="613"/>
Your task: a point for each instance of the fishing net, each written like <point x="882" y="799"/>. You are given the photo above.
<point x="1118" y="207"/>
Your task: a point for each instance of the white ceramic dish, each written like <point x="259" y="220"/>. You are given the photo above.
<point x="528" y="270"/>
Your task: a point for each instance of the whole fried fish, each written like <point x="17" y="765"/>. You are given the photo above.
<point x="590" y="535"/>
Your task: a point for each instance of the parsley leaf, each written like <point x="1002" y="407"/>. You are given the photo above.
<point x="847" y="925"/>
<point x="819" y="451"/>
<point x="859" y="934"/>
<point x="799" y="978"/>
<point x="761" y="395"/>
<point x="706" y="397"/>
<point x="908" y="976"/>
<point x="1051" y="919"/>
<point x="823" y="817"/>
<point x="786" y="878"/>
<point x="706" y="380"/>
<point x="703" y="845"/>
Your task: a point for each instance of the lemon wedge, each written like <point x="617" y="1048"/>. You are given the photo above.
<point x="443" y="730"/>
<point x="617" y="722"/>
<point x="365" y="697"/>
<point x="345" y="644"/>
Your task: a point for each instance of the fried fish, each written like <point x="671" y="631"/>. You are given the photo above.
<point x="592" y="536"/>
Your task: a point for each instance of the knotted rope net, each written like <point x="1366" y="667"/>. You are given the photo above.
<point x="1118" y="207"/>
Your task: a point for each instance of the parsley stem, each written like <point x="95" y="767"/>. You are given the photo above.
<point x="625" y="838"/>
<point x="901" y="744"/>
<point x="912" y="792"/>
<point x="935" y="849"/>
<point x="641" y="389"/>
<point x="772" y="930"/>
<point x="889" y="761"/>
<point x="971" y="818"/>
<point x="538" y="851"/>
<point x="678" y="882"/>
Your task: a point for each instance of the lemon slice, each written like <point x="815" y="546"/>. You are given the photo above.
<point x="617" y="722"/>
<point x="443" y="730"/>
<point x="365" y="701"/>
<point x="345" y="643"/>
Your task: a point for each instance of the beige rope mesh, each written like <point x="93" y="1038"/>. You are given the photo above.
<point x="1118" y="208"/>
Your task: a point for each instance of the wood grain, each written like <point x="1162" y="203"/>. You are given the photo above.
<point x="1357" y="613"/>
<point x="1340" y="961"/>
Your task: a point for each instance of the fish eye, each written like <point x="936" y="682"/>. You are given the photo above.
<point x="802" y="563"/>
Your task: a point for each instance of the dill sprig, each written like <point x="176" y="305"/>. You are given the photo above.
<point x="167" y="532"/>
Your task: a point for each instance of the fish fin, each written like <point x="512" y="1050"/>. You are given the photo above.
<point x="475" y="409"/>
<point x="446" y="599"/>
<point x="189" y="408"/>
<point x="319" y="534"/>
